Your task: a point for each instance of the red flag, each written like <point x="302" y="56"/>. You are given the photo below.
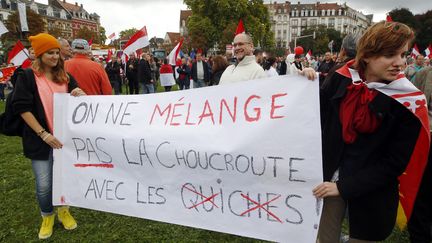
<point x="428" y="51"/>
<point x="137" y="41"/>
<point x="111" y="36"/>
<point x="6" y="73"/>
<point x="240" y="28"/>
<point x="18" y="54"/>
<point x="109" y="56"/>
<point x="415" y="51"/>
<point x="389" y="18"/>
<point x="90" y="42"/>
<point x="172" y="57"/>
<point x="309" y="55"/>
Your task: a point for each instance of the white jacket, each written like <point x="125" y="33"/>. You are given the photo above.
<point x="245" y="70"/>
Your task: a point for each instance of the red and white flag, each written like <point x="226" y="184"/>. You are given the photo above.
<point x="389" y="18"/>
<point x="428" y="51"/>
<point x="18" y="54"/>
<point x="240" y="28"/>
<point x="309" y="55"/>
<point x="166" y="75"/>
<point x="138" y="40"/>
<point x="112" y="36"/>
<point x="415" y="51"/>
<point x="172" y="57"/>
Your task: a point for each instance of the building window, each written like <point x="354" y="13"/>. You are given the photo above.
<point x="292" y="13"/>
<point x="285" y="18"/>
<point x="306" y="13"/>
<point x="279" y="10"/>
<point x="279" y="17"/>
<point x="294" y="22"/>
<point x="323" y="12"/>
<point x="333" y="12"/>
<point x="331" y="22"/>
<point x="313" y="22"/>
<point x="304" y="22"/>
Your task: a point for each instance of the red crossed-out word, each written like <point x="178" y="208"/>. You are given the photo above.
<point x="207" y="199"/>
<point x="258" y="205"/>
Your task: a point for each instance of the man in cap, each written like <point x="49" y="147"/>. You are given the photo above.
<point x="91" y="77"/>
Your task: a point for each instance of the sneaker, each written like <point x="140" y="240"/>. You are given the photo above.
<point x="46" y="229"/>
<point x="66" y="218"/>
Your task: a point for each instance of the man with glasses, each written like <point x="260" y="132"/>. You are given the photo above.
<point x="246" y="67"/>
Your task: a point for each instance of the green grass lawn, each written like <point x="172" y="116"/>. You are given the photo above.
<point x="20" y="219"/>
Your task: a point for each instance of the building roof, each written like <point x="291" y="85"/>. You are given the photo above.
<point x="174" y="37"/>
<point x="185" y="14"/>
<point x="326" y="6"/>
<point x="70" y="7"/>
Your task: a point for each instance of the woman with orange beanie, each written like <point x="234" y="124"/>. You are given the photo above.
<point x="33" y="100"/>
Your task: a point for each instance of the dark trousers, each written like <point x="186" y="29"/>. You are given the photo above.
<point x="419" y="225"/>
<point x="133" y="86"/>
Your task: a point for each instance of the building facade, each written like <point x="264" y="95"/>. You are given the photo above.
<point x="290" y="20"/>
<point x="64" y="19"/>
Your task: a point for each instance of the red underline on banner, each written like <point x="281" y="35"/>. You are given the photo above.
<point x="95" y="165"/>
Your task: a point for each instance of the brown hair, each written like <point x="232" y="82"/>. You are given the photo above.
<point x="219" y="63"/>
<point x="58" y="72"/>
<point x="382" y="39"/>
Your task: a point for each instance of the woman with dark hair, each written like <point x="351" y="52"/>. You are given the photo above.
<point x="219" y="65"/>
<point x="33" y="100"/>
<point x="373" y="134"/>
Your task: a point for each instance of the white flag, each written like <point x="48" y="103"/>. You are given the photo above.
<point x="3" y="28"/>
<point x="23" y="16"/>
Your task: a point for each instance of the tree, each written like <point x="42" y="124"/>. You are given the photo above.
<point x="127" y="33"/>
<point x="214" y="21"/>
<point x="102" y="35"/>
<point x="86" y="34"/>
<point x="405" y="16"/>
<point x="323" y="36"/>
<point x="35" y="23"/>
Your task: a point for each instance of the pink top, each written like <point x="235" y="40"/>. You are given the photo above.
<point x="46" y="89"/>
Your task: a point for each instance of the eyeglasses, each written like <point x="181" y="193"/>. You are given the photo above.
<point x="240" y="44"/>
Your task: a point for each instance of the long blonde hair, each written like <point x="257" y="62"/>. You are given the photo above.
<point x="58" y="72"/>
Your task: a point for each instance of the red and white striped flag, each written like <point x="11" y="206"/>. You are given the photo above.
<point x="172" y="57"/>
<point x="309" y="55"/>
<point x="415" y="51"/>
<point x="166" y="75"/>
<point x="112" y="36"/>
<point x="428" y="51"/>
<point x="138" y="40"/>
<point x="18" y="54"/>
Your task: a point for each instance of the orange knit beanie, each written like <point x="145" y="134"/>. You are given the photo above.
<point x="43" y="42"/>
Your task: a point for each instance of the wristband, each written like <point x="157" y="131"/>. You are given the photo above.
<point x="40" y="132"/>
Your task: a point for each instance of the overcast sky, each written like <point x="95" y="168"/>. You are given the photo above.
<point x="161" y="16"/>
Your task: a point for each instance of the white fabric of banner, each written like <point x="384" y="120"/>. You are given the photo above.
<point x="240" y="158"/>
<point x="23" y="16"/>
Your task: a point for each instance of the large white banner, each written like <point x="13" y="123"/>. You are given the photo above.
<point x="23" y="16"/>
<point x="240" y="158"/>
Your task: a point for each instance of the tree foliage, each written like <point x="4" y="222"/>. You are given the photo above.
<point x="127" y="33"/>
<point x="102" y="35"/>
<point x="87" y="34"/>
<point x="323" y="36"/>
<point x="421" y="23"/>
<point x="34" y="21"/>
<point x="214" y="22"/>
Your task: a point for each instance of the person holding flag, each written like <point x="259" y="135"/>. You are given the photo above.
<point x="375" y="136"/>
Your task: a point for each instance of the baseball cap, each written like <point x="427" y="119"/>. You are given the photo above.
<point x="80" y="44"/>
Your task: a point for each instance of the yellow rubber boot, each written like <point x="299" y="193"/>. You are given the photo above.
<point x="46" y="229"/>
<point x="66" y="218"/>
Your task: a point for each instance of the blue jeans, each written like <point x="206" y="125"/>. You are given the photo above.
<point x="199" y="83"/>
<point x="147" y="88"/>
<point x="43" y="172"/>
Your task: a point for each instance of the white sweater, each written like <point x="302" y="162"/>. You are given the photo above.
<point x="245" y="70"/>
